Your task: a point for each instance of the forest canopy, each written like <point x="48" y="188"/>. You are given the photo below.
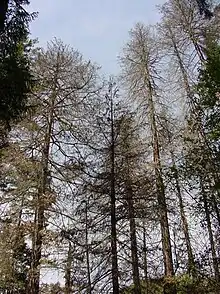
<point x="111" y="184"/>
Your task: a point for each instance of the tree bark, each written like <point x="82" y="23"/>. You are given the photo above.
<point x="89" y="288"/>
<point x="161" y="198"/>
<point x="191" y="261"/>
<point x="68" y="270"/>
<point x="201" y="134"/>
<point x="211" y="238"/>
<point x="113" y="208"/>
<point x="145" y="259"/>
<point x="40" y="206"/>
<point x="133" y="239"/>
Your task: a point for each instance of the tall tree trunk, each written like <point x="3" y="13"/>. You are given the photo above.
<point x="145" y="259"/>
<point x="191" y="261"/>
<point x="175" y="252"/>
<point x="68" y="270"/>
<point x="140" y="63"/>
<point x="161" y="198"/>
<point x="89" y="288"/>
<point x="214" y="177"/>
<point x="113" y="208"/>
<point x="195" y="106"/>
<point x="189" y="31"/>
<point x="211" y="238"/>
<point x="133" y="238"/>
<point x="215" y="204"/>
<point x="40" y="206"/>
<point x="181" y="64"/>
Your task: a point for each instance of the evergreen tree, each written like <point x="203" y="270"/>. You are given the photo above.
<point x="16" y="80"/>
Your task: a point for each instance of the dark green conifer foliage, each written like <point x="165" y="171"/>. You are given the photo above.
<point x="16" y="80"/>
<point x="208" y="89"/>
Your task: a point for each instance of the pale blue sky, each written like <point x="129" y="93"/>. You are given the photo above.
<point x="97" y="28"/>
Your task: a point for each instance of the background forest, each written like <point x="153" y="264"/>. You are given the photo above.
<point x="111" y="184"/>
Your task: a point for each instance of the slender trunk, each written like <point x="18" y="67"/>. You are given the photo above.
<point x="200" y="129"/>
<point x="40" y="208"/>
<point x="133" y="239"/>
<point x="161" y="197"/>
<point x="68" y="270"/>
<point x="215" y="204"/>
<point x="214" y="173"/>
<point x="39" y="225"/>
<point x="89" y="288"/>
<point x="166" y="244"/>
<point x="175" y="252"/>
<point x="211" y="238"/>
<point x="181" y="66"/>
<point x="191" y="261"/>
<point x="145" y="259"/>
<point x="190" y="33"/>
<point x="198" y="49"/>
<point x="113" y="210"/>
<point x="191" y="102"/>
<point x="167" y="252"/>
<point x="18" y="242"/>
